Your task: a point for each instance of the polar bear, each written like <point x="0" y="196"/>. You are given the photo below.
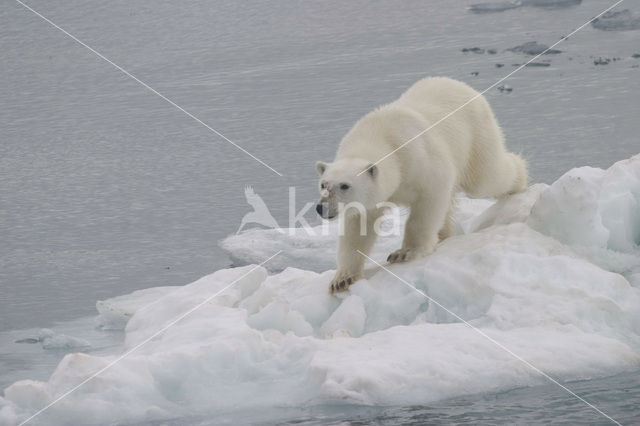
<point x="375" y="163"/>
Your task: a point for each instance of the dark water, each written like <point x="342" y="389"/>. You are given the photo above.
<point x="106" y="188"/>
<point x="616" y="396"/>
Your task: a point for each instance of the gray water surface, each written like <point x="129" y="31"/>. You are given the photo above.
<point x="616" y="396"/>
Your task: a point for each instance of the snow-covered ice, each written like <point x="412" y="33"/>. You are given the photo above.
<point x="552" y="274"/>
<point x="315" y="250"/>
<point x="114" y="313"/>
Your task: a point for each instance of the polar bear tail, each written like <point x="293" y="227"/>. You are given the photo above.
<point x="506" y="174"/>
<point x="520" y="174"/>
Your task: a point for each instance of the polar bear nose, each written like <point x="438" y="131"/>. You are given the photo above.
<point x="320" y="209"/>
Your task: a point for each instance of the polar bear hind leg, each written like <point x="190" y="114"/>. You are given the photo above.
<point x="494" y="172"/>
<point x="505" y="176"/>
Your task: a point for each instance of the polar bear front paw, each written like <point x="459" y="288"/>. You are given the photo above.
<point x="341" y="282"/>
<point x="405" y="255"/>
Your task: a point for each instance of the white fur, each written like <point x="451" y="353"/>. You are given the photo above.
<point x="463" y="152"/>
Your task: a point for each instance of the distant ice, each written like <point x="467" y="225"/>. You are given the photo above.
<point x="552" y="273"/>
<point x="623" y="20"/>
<point x="55" y="341"/>
<point x="538" y="64"/>
<point x="64" y="342"/>
<point x="551" y="4"/>
<point x="493" y="7"/>
<point x="534" y="48"/>
<point x="501" y="6"/>
<point x="473" y="50"/>
<point x="479" y="50"/>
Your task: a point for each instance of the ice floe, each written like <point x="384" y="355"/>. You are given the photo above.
<point x="623" y="20"/>
<point x="551" y="274"/>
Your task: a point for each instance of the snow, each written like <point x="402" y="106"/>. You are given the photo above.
<point x="552" y="274"/>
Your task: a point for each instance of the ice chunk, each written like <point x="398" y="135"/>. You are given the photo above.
<point x="64" y="342"/>
<point x="538" y="64"/>
<point x="513" y="209"/>
<point x="348" y="319"/>
<point x="501" y="6"/>
<point x="54" y="341"/>
<point x="593" y="207"/>
<point x="570" y="206"/>
<point x="473" y="50"/>
<point x="622" y="20"/>
<point x="114" y="313"/>
<point x="620" y="204"/>
<point x="551" y="4"/>
<point x="493" y="7"/>
<point x="277" y="315"/>
<point x="45" y="333"/>
<point x="29" y="340"/>
<point x="316" y="250"/>
<point x="534" y="48"/>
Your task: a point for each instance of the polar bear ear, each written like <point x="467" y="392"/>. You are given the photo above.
<point x="372" y="169"/>
<point x="321" y="167"/>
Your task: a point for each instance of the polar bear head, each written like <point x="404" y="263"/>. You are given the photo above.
<point x="347" y="186"/>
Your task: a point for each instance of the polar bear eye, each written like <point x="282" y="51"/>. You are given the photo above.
<point x="344" y="186"/>
<point x="323" y="185"/>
